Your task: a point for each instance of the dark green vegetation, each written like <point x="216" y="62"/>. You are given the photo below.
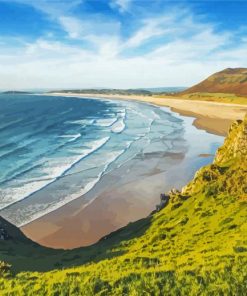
<point x="25" y="255"/>
<point x="124" y="92"/>
<point x="196" y="245"/>
<point x="106" y="91"/>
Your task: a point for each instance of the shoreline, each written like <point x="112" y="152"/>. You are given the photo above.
<point x="212" y="117"/>
<point x="75" y="224"/>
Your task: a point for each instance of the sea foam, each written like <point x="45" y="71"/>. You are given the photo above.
<point x="34" y="214"/>
<point x="51" y="171"/>
<point x="119" y="126"/>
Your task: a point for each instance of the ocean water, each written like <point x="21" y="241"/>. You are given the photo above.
<point x="56" y="149"/>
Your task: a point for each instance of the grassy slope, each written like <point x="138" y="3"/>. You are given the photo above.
<point x="197" y="245"/>
<point x="227" y="86"/>
<point x="216" y="97"/>
<point x="227" y="98"/>
<point x="26" y="255"/>
<point x="230" y="80"/>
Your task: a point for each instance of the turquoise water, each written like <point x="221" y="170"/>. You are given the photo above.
<point x="55" y="149"/>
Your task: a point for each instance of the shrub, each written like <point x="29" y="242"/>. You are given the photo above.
<point x="4" y="269"/>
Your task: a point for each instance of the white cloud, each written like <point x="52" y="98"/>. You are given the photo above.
<point x="198" y="46"/>
<point x="156" y="26"/>
<point x="72" y="26"/>
<point x="59" y="11"/>
<point x="152" y="28"/>
<point x="88" y="29"/>
<point x="54" y="65"/>
<point x="50" y="7"/>
<point x="121" y="5"/>
<point x="187" y="51"/>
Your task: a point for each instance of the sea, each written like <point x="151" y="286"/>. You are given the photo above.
<point x="54" y="150"/>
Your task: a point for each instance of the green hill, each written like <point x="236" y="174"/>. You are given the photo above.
<point x="25" y="255"/>
<point x="195" y="245"/>
<point x="227" y="86"/>
<point x="232" y="81"/>
<point x="21" y="252"/>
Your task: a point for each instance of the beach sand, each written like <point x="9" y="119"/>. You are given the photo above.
<point x="121" y="196"/>
<point x="213" y="117"/>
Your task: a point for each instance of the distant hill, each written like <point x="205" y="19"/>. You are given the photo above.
<point x="105" y="91"/>
<point x="15" y="92"/>
<point x="160" y="90"/>
<point x="111" y="91"/>
<point x="228" y="81"/>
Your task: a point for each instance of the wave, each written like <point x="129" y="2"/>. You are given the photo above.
<point x="24" y="167"/>
<point x="9" y="124"/>
<point x="119" y="126"/>
<point x="20" y="173"/>
<point x="53" y="170"/>
<point x="156" y="116"/>
<point x="20" y="148"/>
<point x="72" y="196"/>
<point x="151" y="122"/>
<point x="9" y="196"/>
<point x="31" y="163"/>
<point x="65" y="112"/>
<point x="111" y="157"/>
<point x="106" y="122"/>
<point x="82" y="122"/>
<point x="72" y="138"/>
<point x="139" y="113"/>
<point x="7" y="145"/>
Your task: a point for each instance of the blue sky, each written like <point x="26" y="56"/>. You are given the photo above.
<point x="118" y="43"/>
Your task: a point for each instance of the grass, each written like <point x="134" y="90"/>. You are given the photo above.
<point x="25" y="255"/>
<point x="197" y="245"/>
<point x="212" y="97"/>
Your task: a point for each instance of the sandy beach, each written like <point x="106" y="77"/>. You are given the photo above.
<point x="121" y="196"/>
<point x="213" y="117"/>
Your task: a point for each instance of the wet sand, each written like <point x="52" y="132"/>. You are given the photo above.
<point x="119" y="198"/>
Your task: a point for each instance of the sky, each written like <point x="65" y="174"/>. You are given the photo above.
<point x="66" y="44"/>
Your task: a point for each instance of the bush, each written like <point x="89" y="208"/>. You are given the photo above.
<point x="4" y="269"/>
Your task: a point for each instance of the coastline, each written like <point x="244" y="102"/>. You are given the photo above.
<point x="212" y="117"/>
<point x="123" y="198"/>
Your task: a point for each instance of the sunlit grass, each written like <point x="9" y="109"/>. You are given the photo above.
<point x="212" y="97"/>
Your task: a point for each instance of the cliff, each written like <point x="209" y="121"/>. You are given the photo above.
<point x="228" y="173"/>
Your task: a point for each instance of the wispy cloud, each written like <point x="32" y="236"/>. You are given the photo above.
<point x="50" y="7"/>
<point x="153" y="27"/>
<point x="60" y="11"/>
<point x="72" y="26"/>
<point x="121" y="5"/>
<point x="168" y="47"/>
